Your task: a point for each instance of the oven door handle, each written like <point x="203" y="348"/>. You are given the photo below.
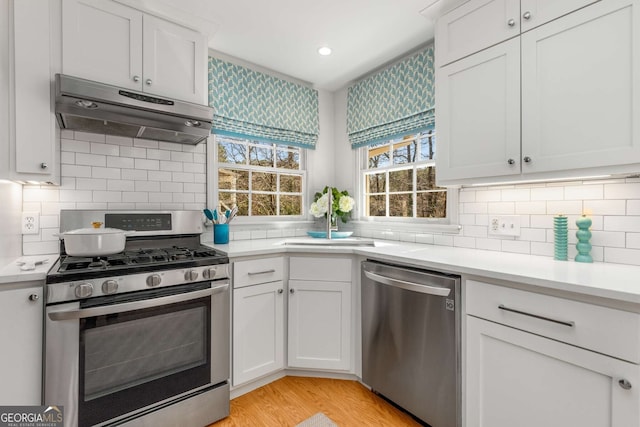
<point x="135" y="305"/>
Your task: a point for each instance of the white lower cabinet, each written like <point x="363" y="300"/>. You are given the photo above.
<point x="515" y="378"/>
<point x="21" y="338"/>
<point x="258" y="331"/>
<point x="540" y="360"/>
<point x="319" y="324"/>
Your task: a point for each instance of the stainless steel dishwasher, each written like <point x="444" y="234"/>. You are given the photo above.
<point x="411" y="340"/>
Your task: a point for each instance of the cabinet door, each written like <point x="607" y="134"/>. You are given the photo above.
<point x="21" y="355"/>
<point x="519" y="379"/>
<point x="478" y="115"/>
<point x="258" y="331"/>
<point x="174" y="61"/>
<point x="102" y="41"/>
<point x="537" y="12"/>
<point x="34" y="120"/>
<point x="475" y="25"/>
<point x="581" y="89"/>
<point x="319" y="325"/>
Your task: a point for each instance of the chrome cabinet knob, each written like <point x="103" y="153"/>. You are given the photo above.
<point x="34" y="297"/>
<point x="109" y="287"/>
<point x="526" y="15"/>
<point x="148" y="82"/>
<point x="136" y="79"/>
<point x="209" y="273"/>
<point x="280" y="291"/>
<point x="83" y="290"/>
<point x="153" y="280"/>
<point x="511" y="162"/>
<point x="527" y="159"/>
<point x="292" y="291"/>
<point x="191" y="275"/>
<point x="511" y="22"/>
<point x="43" y="165"/>
<point x="625" y="384"/>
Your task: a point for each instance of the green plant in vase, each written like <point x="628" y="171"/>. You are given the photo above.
<point x="341" y="206"/>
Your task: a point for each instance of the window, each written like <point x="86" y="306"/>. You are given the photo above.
<point x="399" y="180"/>
<point x="262" y="179"/>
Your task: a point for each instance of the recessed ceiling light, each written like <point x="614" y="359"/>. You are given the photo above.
<point x="324" y="51"/>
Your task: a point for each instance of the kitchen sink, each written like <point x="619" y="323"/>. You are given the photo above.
<point x="310" y="241"/>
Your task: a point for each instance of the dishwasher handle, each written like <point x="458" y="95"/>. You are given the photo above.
<point x="409" y="286"/>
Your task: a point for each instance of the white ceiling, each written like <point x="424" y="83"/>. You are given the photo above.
<point x="284" y="35"/>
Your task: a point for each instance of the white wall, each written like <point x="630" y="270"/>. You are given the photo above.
<point x="10" y="215"/>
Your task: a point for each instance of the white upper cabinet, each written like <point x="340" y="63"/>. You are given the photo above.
<point x="479" y="24"/>
<point x="557" y="101"/>
<point x="581" y="89"/>
<point x="28" y="146"/>
<point x="474" y="26"/>
<point x="478" y="114"/>
<point x="115" y="44"/>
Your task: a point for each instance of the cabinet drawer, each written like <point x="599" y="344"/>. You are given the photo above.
<point x="324" y="269"/>
<point x="252" y="272"/>
<point x="605" y="330"/>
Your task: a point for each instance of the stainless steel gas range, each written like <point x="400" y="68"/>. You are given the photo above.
<point x="141" y="337"/>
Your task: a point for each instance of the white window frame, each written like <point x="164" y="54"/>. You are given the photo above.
<point x="212" y="183"/>
<point x="448" y="224"/>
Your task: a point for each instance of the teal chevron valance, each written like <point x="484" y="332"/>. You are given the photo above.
<point x="393" y="102"/>
<point x="254" y="105"/>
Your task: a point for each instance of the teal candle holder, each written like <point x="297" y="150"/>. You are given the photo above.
<point x="560" y="234"/>
<point x="583" y="234"/>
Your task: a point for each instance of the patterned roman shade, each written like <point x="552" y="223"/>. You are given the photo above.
<point x="393" y="102"/>
<point x="250" y="104"/>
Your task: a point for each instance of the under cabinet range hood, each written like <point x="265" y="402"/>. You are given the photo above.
<point x="100" y="108"/>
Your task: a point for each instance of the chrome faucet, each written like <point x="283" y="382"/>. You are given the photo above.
<point x="329" y="227"/>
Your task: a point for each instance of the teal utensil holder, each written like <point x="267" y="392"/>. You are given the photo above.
<point x="583" y="234"/>
<point x="220" y="234"/>
<point x="560" y="236"/>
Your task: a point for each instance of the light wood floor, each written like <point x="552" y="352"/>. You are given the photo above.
<point x="291" y="400"/>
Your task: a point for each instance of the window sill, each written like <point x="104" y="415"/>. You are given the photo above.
<point x="405" y="226"/>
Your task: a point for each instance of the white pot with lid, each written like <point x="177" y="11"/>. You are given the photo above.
<point x="93" y="242"/>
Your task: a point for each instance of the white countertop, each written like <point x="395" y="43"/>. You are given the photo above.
<point x="10" y="271"/>
<point x="603" y="280"/>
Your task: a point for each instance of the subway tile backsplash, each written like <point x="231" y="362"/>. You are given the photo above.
<point x="107" y="172"/>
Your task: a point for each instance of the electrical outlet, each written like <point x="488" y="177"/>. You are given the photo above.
<point x="30" y="222"/>
<point x="504" y="225"/>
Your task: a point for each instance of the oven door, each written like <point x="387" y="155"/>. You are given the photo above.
<point x="112" y="356"/>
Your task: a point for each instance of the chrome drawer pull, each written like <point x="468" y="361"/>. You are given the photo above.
<point x="548" y="319"/>
<point x="625" y="384"/>
<point x="251" y="273"/>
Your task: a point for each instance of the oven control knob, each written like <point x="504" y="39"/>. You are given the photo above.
<point x="109" y="287"/>
<point x="209" y="273"/>
<point x="191" y="275"/>
<point x="153" y="280"/>
<point x="84" y="290"/>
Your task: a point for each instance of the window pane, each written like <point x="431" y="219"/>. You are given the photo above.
<point x="377" y="205"/>
<point x="263" y="204"/>
<point x="261" y="156"/>
<point x="290" y="183"/>
<point x="426" y="179"/>
<point x="428" y="146"/>
<point x="401" y="180"/>
<point x="401" y="205"/>
<point x="404" y="152"/>
<point x="432" y="205"/>
<point x="229" y="152"/>
<point x="233" y="179"/>
<point x="229" y="200"/>
<point x="263" y="181"/>
<point x="290" y="205"/>
<point x="288" y="159"/>
<point x="376" y="183"/>
<point x="379" y="156"/>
